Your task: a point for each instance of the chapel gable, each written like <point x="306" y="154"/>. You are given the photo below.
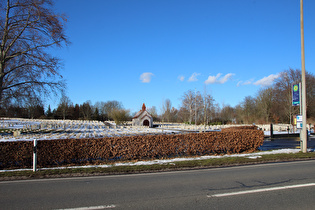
<point x="143" y="118"/>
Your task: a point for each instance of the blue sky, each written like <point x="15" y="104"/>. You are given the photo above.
<point x="137" y="51"/>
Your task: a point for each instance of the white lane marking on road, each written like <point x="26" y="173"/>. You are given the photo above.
<point x="92" y="207"/>
<point x="261" y="190"/>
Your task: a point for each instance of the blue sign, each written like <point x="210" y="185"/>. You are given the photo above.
<point x="296" y="95"/>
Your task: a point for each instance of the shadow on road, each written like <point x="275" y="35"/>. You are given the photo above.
<point x="285" y="143"/>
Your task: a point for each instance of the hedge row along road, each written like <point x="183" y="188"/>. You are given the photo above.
<point x="64" y="152"/>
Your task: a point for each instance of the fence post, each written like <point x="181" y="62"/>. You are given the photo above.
<point x="35" y="155"/>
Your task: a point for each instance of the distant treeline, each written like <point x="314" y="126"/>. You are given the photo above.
<point x="271" y="104"/>
<point x="66" y="110"/>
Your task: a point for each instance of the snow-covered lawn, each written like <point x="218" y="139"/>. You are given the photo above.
<point x="27" y="129"/>
<point x="66" y="129"/>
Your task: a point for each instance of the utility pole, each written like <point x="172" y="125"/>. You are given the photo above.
<point x="304" y="131"/>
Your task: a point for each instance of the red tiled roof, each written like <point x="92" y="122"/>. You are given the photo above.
<point x="140" y="113"/>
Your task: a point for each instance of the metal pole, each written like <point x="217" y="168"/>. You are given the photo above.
<point x="300" y="95"/>
<point x="195" y="110"/>
<point x="304" y="130"/>
<point x="35" y="155"/>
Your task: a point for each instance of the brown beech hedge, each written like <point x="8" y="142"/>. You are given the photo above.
<point x="52" y="153"/>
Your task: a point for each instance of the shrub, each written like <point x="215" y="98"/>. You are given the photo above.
<point x="109" y="149"/>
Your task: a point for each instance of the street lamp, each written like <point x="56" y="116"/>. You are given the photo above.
<point x="304" y="131"/>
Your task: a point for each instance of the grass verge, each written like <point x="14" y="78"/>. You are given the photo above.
<point x="180" y="165"/>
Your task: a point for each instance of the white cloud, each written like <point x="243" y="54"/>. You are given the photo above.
<point x="267" y="81"/>
<point x="218" y="79"/>
<point x="239" y="83"/>
<point x="212" y="79"/>
<point x="248" y="82"/>
<point x="225" y="78"/>
<point x="181" y="78"/>
<point x="193" y="77"/>
<point x="146" y="77"/>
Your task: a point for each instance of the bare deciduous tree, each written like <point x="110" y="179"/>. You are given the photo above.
<point x="166" y="110"/>
<point x="249" y="110"/>
<point x="64" y="106"/>
<point x="86" y="110"/>
<point x="28" y="28"/>
<point x="227" y="114"/>
<point x="264" y="102"/>
<point x="199" y="108"/>
<point x="120" y="116"/>
<point x="283" y="90"/>
<point x="208" y="105"/>
<point x="153" y="113"/>
<point x="188" y="102"/>
<point x="109" y="106"/>
<point x="283" y="93"/>
<point x="197" y="105"/>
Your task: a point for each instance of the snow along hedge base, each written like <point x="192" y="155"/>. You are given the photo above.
<point x="53" y="153"/>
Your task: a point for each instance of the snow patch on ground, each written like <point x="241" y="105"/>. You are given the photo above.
<point x="173" y="161"/>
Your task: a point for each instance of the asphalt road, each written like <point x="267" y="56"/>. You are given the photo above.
<point x="193" y="189"/>
<point x="286" y="143"/>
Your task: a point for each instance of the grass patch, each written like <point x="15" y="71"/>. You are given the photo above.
<point x="180" y="165"/>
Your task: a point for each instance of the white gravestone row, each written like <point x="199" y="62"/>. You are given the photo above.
<point x="65" y="129"/>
